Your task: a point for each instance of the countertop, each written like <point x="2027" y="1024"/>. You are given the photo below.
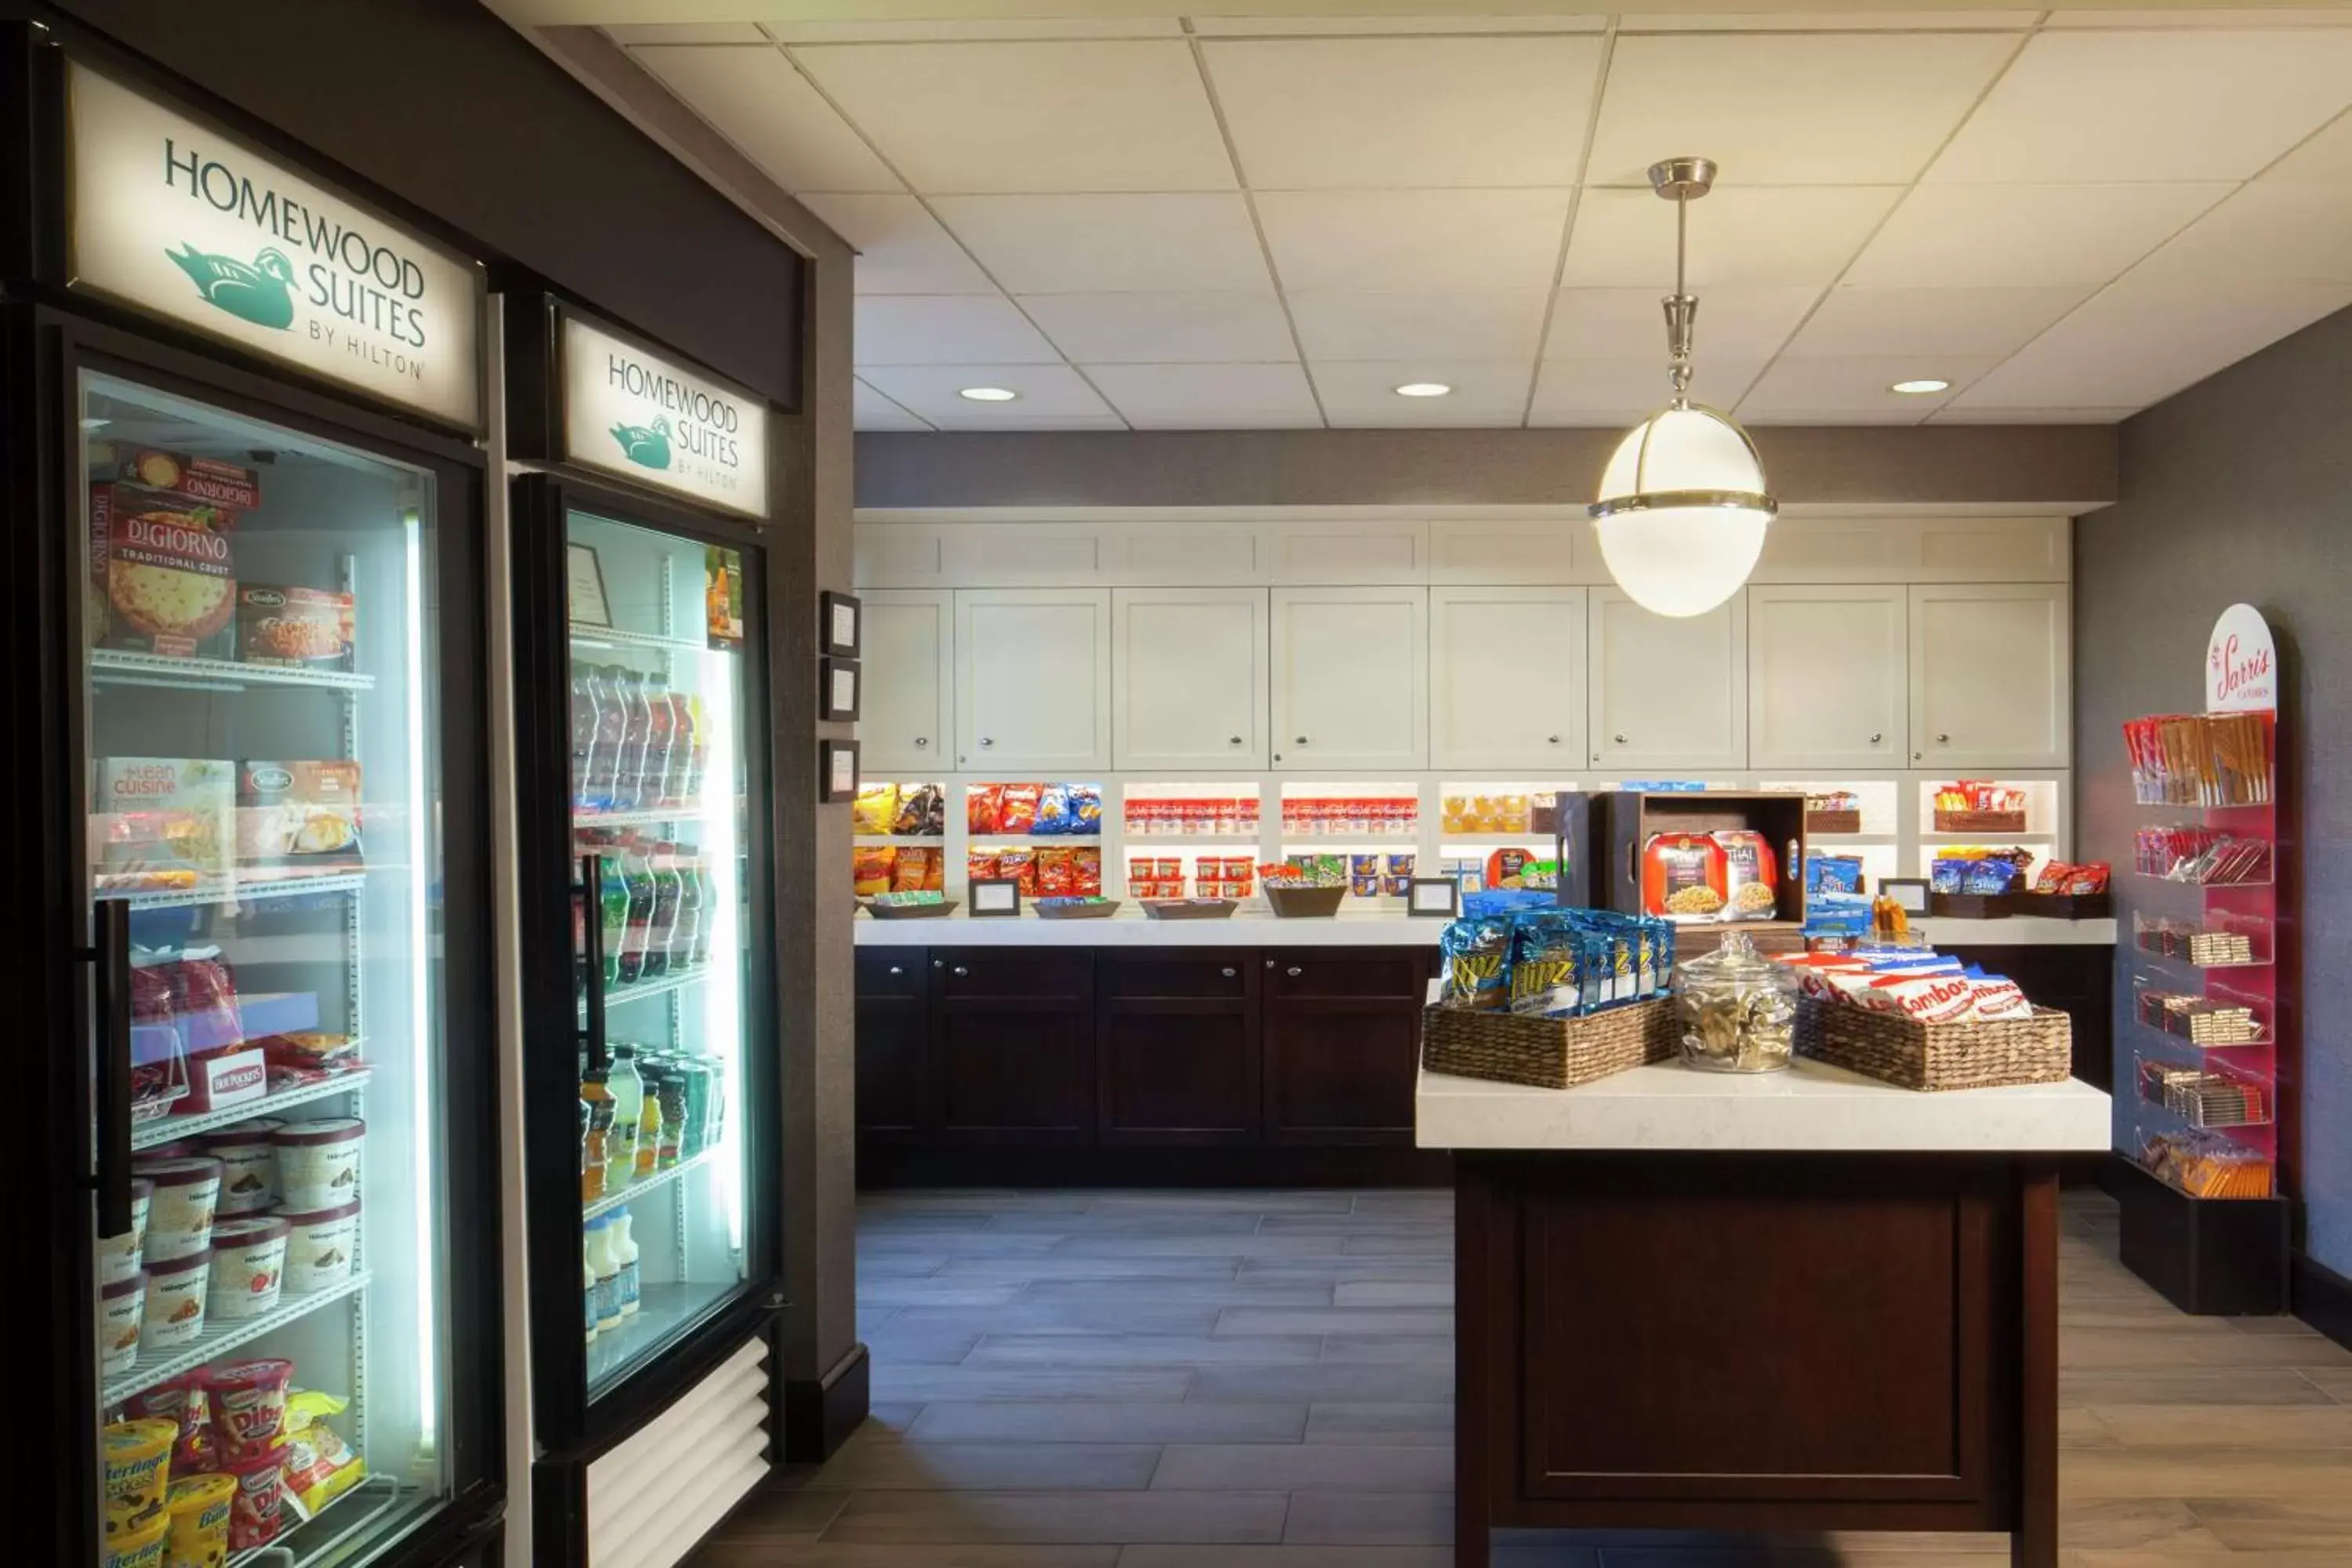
<point x="1131" y="928"/>
<point x="1811" y="1106"/>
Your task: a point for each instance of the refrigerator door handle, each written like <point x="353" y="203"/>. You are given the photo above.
<point x="110" y="952"/>
<point x="591" y="889"/>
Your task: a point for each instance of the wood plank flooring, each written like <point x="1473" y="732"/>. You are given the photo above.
<point x="1264" y="1380"/>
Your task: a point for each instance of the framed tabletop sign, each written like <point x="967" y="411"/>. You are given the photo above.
<point x="993" y="897"/>
<point x="1909" y="893"/>
<point x="584" y="586"/>
<point x="1434" y="898"/>
<point x="836" y="771"/>
<point x="837" y="688"/>
<point x="842" y="621"/>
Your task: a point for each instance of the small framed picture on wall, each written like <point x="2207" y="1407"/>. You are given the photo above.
<point x="838" y="681"/>
<point x="843" y="623"/>
<point x="837" y="772"/>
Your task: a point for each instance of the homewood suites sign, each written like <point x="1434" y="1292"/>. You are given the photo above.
<point x="633" y="413"/>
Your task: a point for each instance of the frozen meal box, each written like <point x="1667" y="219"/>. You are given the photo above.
<point x="199" y="481"/>
<point x="305" y="628"/>
<point x="298" y="814"/>
<point x="161" y="822"/>
<point x="168" y="575"/>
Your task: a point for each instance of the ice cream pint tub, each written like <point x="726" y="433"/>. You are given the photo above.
<point x="318" y="1163"/>
<point x="174" y="1313"/>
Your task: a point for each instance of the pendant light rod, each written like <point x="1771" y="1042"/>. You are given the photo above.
<point x="1681" y="180"/>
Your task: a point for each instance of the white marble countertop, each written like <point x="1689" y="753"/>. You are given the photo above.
<point x="1245" y="928"/>
<point x="1811" y="1106"/>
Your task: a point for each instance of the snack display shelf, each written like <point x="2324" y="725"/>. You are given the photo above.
<point x="166" y="1129"/>
<point x="647" y="1186"/>
<point x="2181" y="960"/>
<point x="588" y="634"/>
<point x="2182" y="883"/>
<point x="349" y="1519"/>
<point x="219" y="1339"/>
<point x="2209" y="1100"/>
<point x="236" y="890"/>
<point x="2263" y="1043"/>
<point x="120" y="666"/>
<point x="660" y="985"/>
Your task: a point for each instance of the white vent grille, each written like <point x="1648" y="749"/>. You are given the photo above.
<point x="652" y="1498"/>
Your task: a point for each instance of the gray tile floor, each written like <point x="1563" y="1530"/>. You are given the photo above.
<point x="1264" y="1380"/>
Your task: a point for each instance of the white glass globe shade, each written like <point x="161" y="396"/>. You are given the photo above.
<point x="1684" y="560"/>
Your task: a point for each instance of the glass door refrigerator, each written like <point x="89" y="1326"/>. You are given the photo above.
<point x="249" y="764"/>
<point x="649" y="969"/>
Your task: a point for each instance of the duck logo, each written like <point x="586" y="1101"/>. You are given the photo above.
<point x="646" y="445"/>
<point x="260" y="293"/>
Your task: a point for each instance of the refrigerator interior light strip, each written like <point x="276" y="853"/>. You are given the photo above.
<point x="722" y="998"/>
<point x="420" y="833"/>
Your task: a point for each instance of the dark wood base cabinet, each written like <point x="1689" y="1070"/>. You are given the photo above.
<point x="1768" y="1343"/>
<point x="1139" y="1065"/>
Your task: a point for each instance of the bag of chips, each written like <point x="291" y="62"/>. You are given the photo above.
<point x="1019" y="866"/>
<point x="1086" y="864"/>
<point x="1018" y="813"/>
<point x="876" y="809"/>
<point x="920" y="811"/>
<point x="871" y="866"/>
<point x="980" y="865"/>
<point x="1478" y="957"/>
<point x="1056" y="876"/>
<point x="908" y="873"/>
<point x="1054" y="817"/>
<point x="1085" y="810"/>
<point x="983" y="805"/>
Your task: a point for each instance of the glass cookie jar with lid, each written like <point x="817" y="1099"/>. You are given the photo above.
<point x="1734" y="1010"/>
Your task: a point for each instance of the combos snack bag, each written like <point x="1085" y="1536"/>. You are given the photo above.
<point x="1019" y="866"/>
<point x="1682" y="877"/>
<point x="1751" y="874"/>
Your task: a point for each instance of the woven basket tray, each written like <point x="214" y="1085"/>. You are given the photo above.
<point x="1547" y="1053"/>
<point x="1305" y="903"/>
<point x="1980" y="821"/>
<point x="1833" y="821"/>
<point x="1912" y="1055"/>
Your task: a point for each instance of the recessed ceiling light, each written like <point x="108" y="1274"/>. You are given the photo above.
<point x="1423" y="389"/>
<point x="988" y="394"/>
<point x="1921" y="388"/>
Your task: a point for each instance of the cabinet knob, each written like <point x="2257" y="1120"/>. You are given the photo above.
<point x="1233" y="741"/>
<point x="1302" y="740"/>
<point x="1294" y="971"/>
<point x="1875" y="737"/>
<point x="897" y="970"/>
<point x="1552" y="740"/>
<point x="961" y="972"/>
<point x="1943" y="739"/>
<point x="1228" y="971"/>
<point x="922" y="740"/>
<point x="939" y="963"/>
<point x="1619" y="738"/>
<point x="1269" y="964"/>
<point x="986" y="742"/>
<point x="1917" y="756"/>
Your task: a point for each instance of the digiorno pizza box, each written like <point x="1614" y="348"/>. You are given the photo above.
<point x="163" y="576"/>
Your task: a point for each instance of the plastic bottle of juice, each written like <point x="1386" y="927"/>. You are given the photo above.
<point x="637" y="875"/>
<point x="636" y="731"/>
<point x="667" y="893"/>
<point x="699" y="753"/>
<point x="598" y="1254"/>
<point x="625" y="1251"/>
<point x="649" y="1119"/>
<point x="684" y="931"/>
<point x="679" y="773"/>
<point x="653" y="776"/>
<point x="596" y="1145"/>
<point x="628" y="1092"/>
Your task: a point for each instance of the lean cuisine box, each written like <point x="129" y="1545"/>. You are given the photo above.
<point x="163" y="561"/>
<point x="161" y="822"/>
<point x="299" y="815"/>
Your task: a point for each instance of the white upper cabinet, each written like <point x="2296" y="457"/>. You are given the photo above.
<point x="1668" y="692"/>
<point x="1506" y="679"/>
<point x="1992" y="676"/>
<point x="1350" y="677"/>
<point x="1825" y="677"/>
<point x="908" y="658"/>
<point x="1033" y="682"/>
<point x="1188" y="678"/>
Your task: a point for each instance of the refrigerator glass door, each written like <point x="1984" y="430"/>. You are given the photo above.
<point x="661" y="938"/>
<point x="260" y="703"/>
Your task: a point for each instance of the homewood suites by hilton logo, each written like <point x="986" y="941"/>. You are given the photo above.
<point x="699" y="425"/>
<point x="363" y="297"/>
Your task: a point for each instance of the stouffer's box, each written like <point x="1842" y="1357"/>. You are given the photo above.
<point x="233" y="1078"/>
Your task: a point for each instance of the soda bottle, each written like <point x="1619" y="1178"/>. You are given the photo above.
<point x="664" y="926"/>
<point x="636" y="725"/>
<point x="583" y="732"/>
<point x="636" y="873"/>
<point x="613" y="901"/>
<point x="677" y="776"/>
<point x="683" y="934"/>
<point x="699" y="753"/>
<point x="707" y="914"/>
<point x="653" y="775"/>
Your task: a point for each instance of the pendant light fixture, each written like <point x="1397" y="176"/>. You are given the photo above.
<point x="1683" y="502"/>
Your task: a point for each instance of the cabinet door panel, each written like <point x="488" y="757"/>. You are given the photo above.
<point x="1668" y="691"/>
<point x="1189" y="678"/>
<point x="1323" y="971"/>
<point x="1350" y="677"/>
<point x="983" y="972"/>
<point x="1991" y="677"/>
<point x="1032" y="679"/>
<point x="893" y="1035"/>
<point x="1009" y="1073"/>
<point x="909" y="655"/>
<point x="1506" y="678"/>
<point x="1826" y="684"/>
<point x="1340" y="1072"/>
<point x="1178" y="1072"/>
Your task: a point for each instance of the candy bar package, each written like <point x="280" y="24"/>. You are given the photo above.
<point x="1055" y="817"/>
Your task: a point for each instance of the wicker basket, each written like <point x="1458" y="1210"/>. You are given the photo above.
<point x="1547" y="1053"/>
<point x="1980" y="821"/>
<point x="1305" y="903"/>
<point x="1913" y="1054"/>
<point x="1833" y="821"/>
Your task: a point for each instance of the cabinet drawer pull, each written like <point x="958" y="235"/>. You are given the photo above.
<point x="1302" y="740"/>
<point x="1233" y="741"/>
<point x="922" y="740"/>
<point x="1619" y="738"/>
<point x="1943" y="739"/>
<point x="1269" y="964"/>
<point x="1875" y="737"/>
<point x="1228" y="971"/>
<point x="1294" y="971"/>
<point x="961" y="972"/>
<point x="987" y="740"/>
<point x="939" y="963"/>
<point x="897" y="970"/>
<point x="1552" y="740"/>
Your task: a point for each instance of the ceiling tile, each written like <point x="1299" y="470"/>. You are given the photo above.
<point x="1481" y="325"/>
<point x="629" y="35"/>
<point x="1403" y="240"/>
<point x="1361" y="394"/>
<point x="1052" y="396"/>
<point x="1952" y="413"/>
<point x="2137" y="343"/>
<point x="950" y="329"/>
<point x="2326" y="159"/>
<point x="902" y="249"/>
<point x="2270" y="231"/>
<point x="932" y="32"/>
<point x="876" y="412"/>
<point x="1209" y="396"/>
<point x="1930" y="322"/>
<point x="1835" y="390"/>
<point x="1614" y="391"/>
<point x="757" y="100"/>
<point x="2312" y="17"/>
<point x="1627" y="324"/>
<point x="1820" y="109"/>
<point x="2179" y="106"/>
<point x="1030" y="117"/>
<point x="1781" y="236"/>
<point x="1399" y="112"/>
<point x="1834" y="22"/>
<point x="2024" y="236"/>
<point x="1164" y="329"/>
<point x="1111" y="244"/>
<point x="1276" y="27"/>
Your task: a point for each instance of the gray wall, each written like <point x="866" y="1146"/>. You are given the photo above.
<point x="2241" y="488"/>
